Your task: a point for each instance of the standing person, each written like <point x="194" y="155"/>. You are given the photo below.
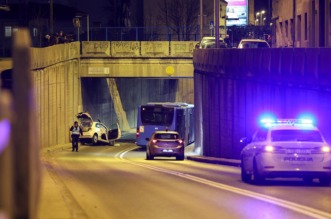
<point x="76" y="131"/>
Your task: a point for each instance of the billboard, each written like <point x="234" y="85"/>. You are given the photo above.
<point x="237" y="12"/>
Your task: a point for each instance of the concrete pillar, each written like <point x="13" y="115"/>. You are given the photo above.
<point x="121" y="114"/>
<point x="26" y="163"/>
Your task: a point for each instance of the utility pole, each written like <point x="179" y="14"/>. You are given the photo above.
<point x="293" y="28"/>
<point x="217" y="22"/>
<point x="51" y="17"/>
<point x="201" y="19"/>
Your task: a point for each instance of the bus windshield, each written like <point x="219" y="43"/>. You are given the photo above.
<point x="156" y="115"/>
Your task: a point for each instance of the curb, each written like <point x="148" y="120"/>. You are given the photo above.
<point x="215" y="160"/>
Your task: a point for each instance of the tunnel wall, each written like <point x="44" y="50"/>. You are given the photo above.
<point x="234" y="87"/>
<point x="133" y="92"/>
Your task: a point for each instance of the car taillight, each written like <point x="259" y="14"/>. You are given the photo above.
<point x="137" y="133"/>
<point x="154" y="141"/>
<point x="180" y="141"/>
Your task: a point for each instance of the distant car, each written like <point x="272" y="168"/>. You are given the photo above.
<point x="96" y="132"/>
<point x="165" y="144"/>
<point x="209" y="42"/>
<point x="291" y="148"/>
<point x="253" y="43"/>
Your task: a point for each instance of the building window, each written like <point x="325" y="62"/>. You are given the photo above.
<point x="8" y="31"/>
<point x="299" y="28"/>
<point x="35" y="32"/>
<point x="286" y="28"/>
<point x="306" y="26"/>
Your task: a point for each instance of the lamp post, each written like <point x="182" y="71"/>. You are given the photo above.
<point x="259" y="17"/>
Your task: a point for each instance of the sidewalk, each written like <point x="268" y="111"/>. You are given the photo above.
<point x="51" y="201"/>
<point x="191" y="155"/>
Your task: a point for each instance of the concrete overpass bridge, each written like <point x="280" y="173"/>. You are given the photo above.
<point x="148" y="59"/>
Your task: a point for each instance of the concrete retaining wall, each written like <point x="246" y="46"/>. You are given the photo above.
<point x="234" y="87"/>
<point x="58" y="91"/>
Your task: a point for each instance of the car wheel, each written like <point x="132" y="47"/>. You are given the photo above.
<point x="324" y="181"/>
<point x="95" y="139"/>
<point x="258" y="179"/>
<point x="245" y="177"/>
<point x="148" y="155"/>
<point x="180" y="157"/>
<point x="111" y="142"/>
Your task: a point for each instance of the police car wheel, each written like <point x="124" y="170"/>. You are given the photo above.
<point x="245" y="177"/>
<point x="258" y="179"/>
<point x="324" y="181"/>
<point x="308" y="180"/>
<point x="95" y="139"/>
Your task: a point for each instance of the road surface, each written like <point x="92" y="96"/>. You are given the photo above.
<point x="118" y="182"/>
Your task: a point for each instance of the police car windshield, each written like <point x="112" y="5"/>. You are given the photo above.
<point x="296" y="135"/>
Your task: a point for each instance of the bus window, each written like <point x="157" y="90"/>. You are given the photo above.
<point x="157" y="116"/>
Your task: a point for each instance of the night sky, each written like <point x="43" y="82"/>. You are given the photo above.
<point x="96" y="8"/>
<point x="261" y="5"/>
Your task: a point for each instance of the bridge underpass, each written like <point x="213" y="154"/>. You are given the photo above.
<point x="117" y="77"/>
<point x="117" y="99"/>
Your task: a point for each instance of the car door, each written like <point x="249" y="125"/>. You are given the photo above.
<point x="114" y="134"/>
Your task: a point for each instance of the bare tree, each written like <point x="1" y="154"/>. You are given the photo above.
<point x="119" y="14"/>
<point x="180" y="16"/>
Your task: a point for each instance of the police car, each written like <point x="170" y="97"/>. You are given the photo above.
<point x="291" y="148"/>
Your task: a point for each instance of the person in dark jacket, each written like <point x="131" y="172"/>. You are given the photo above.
<point x="76" y="131"/>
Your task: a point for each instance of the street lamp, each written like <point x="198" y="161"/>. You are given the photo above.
<point x="259" y="17"/>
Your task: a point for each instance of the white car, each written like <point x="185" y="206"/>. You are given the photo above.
<point x="210" y="42"/>
<point x="96" y="132"/>
<point x="286" y="148"/>
<point x="253" y="43"/>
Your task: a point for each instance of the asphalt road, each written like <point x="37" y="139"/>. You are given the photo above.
<point x="117" y="182"/>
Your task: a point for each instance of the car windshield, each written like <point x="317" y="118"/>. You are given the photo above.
<point x="296" y="135"/>
<point x="166" y="136"/>
<point x="254" y="45"/>
<point x="210" y="43"/>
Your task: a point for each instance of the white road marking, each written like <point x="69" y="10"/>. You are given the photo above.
<point x="305" y="210"/>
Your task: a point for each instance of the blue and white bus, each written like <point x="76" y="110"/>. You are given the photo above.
<point x="165" y="116"/>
